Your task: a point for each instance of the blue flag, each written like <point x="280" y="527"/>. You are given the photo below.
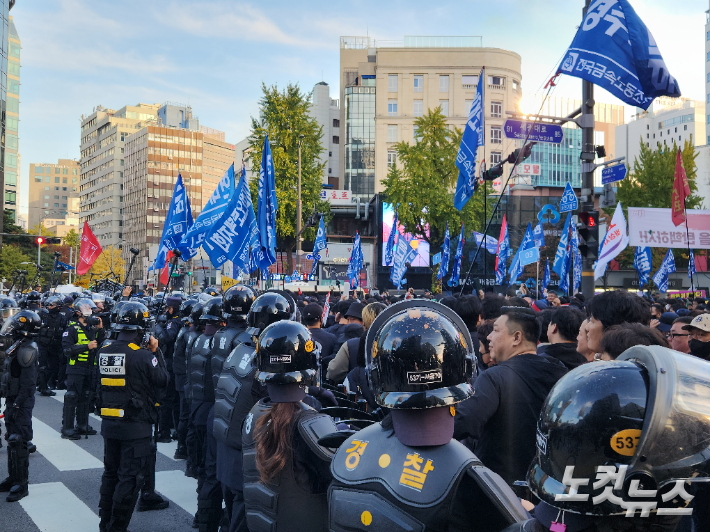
<point x="642" y="263"/>
<point x="691" y="265"/>
<point x="577" y="271"/>
<point x="177" y="223"/>
<point x="267" y="205"/>
<point x="523" y="256"/>
<point x="456" y="269"/>
<point x="564" y="280"/>
<point x="503" y="252"/>
<point x="355" y="263"/>
<point x="62" y="267"/>
<point x="546" y="275"/>
<point x="236" y="232"/>
<point x="472" y="138"/>
<point x="209" y="216"/>
<point x="615" y="50"/>
<point x="491" y="244"/>
<point x="445" y="254"/>
<point x="667" y="267"/>
<point x="539" y="235"/>
<point x="320" y="244"/>
<point x="560" y="264"/>
<point x="403" y="254"/>
<point x="389" y="250"/>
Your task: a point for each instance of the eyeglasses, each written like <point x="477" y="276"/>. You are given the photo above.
<point x="675" y="335"/>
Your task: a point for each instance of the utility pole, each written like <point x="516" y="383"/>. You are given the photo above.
<point x="298" y="208"/>
<point x="587" y="157"/>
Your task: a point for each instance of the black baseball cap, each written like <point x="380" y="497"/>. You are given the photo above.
<point x="312" y="312"/>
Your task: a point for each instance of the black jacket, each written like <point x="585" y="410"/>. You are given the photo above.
<point x="502" y="414"/>
<point x="167" y="335"/>
<point x="566" y="353"/>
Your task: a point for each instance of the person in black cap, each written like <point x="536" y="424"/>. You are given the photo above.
<point x="311" y="318"/>
<point x="338" y="367"/>
<point x="340" y="308"/>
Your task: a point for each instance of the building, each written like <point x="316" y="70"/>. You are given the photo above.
<point x="154" y="156"/>
<point x="326" y="111"/>
<point x="103" y="134"/>
<point x="385" y="86"/>
<point x="53" y="191"/>
<point x="12" y="119"/>
<point x="178" y="115"/>
<point x="5" y="7"/>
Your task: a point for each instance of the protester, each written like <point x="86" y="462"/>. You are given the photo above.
<point x="484" y="356"/>
<point x="612" y="308"/>
<point x="345" y="359"/>
<point x="678" y="337"/>
<point x="582" y="346"/>
<point x="561" y="332"/>
<point x="699" y="336"/>
<point x="618" y="338"/>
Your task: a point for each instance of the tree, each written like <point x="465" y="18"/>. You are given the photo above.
<point x="283" y="115"/>
<point x="110" y="261"/>
<point x="422" y="189"/>
<point x="71" y="239"/>
<point x="14" y="259"/>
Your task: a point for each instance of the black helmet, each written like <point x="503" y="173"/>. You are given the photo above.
<point x="132" y="316"/>
<point x="211" y="291"/>
<point x="269" y="308"/>
<point x="237" y="301"/>
<point x="8" y="307"/>
<point x="84" y="307"/>
<point x="418" y="356"/>
<point x="212" y="311"/>
<point x="115" y="309"/>
<point x="286" y="354"/>
<point x="186" y="308"/>
<point x="34" y="295"/>
<point x="24" y="323"/>
<point x="645" y="412"/>
<point x="196" y="312"/>
<point x="53" y="301"/>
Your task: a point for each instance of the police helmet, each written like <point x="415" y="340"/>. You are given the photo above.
<point x="186" y="308"/>
<point x="212" y="311"/>
<point x="237" y="301"/>
<point x="419" y="355"/>
<point x="211" y="291"/>
<point x="8" y="307"/>
<point x="196" y="312"/>
<point x="645" y="413"/>
<point x="24" y="323"/>
<point x="53" y="301"/>
<point x="115" y="309"/>
<point x="84" y="307"/>
<point x="270" y="307"/>
<point x="286" y="354"/>
<point x="132" y="316"/>
<point x="33" y="296"/>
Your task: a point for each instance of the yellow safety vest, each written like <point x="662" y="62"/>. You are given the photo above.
<point x="82" y="357"/>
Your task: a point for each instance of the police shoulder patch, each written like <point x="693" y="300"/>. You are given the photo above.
<point x="66" y="333"/>
<point x="154" y="362"/>
<point x="134" y="346"/>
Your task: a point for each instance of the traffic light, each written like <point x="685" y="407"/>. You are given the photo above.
<point x="589" y="234"/>
<point x="40" y="240"/>
<point x="52" y="240"/>
<point x="493" y="173"/>
<point x="521" y="154"/>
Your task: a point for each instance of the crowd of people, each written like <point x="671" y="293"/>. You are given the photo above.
<point x="381" y="412"/>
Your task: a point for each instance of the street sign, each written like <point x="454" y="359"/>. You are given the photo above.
<point x="540" y="132"/>
<point x="611" y="174"/>
<point x="528" y="169"/>
<point x="569" y="199"/>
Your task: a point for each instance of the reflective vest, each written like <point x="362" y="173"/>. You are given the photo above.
<point x="83" y="357"/>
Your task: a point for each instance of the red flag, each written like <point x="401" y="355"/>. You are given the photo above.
<point x="89" y="252"/>
<point x="681" y="190"/>
<point x="165" y="273"/>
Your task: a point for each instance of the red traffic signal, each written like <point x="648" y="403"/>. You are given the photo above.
<point x="40" y="240"/>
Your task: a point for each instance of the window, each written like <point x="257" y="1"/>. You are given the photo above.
<point x="64" y="198"/>
<point x="12" y="123"/>
<point x="56" y="205"/>
<point x="39" y="169"/>
<point x="64" y="180"/>
<point x="46" y="204"/>
<point x="13" y="105"/>
<point x="648" y="127"/>
<point x="65" y="206"/>
<point x="647" y="136"/>
<point x="38" y="179"/>
<point x="10" y="197"/>
<point x="497" y="81"/>
<point x="418" y="83"/>
<point x="708" y="56"/>
<point x="336" y="139"/>
<point x="11" y="178"/>
<point x="392" y="133"/>
<point x="46" y="197"/>
<point x="66" y="170"/>
<point x="56" y="197"/>
<point x="676" y="130"/>
<point x="392" y="83"/>
<point x="468" y="103"/>
<point x="685" y="127"/>
<point x="47" y="179"/>
<point x="13" y="86"/>
<point x="73" y="180"/>
<point x="708" y="77"/>
<point x="418" y="108"/>
<point x="57" y="170"/>
<point x="415" y="133"/>
<point x="56" y="179"/>
<point x="391" y="107"/>
<point x="391" y="158"/>
<point x="444" y="104"/>
<point x="496" y="109"/>
<point x="46" y="188"/>
<point x="336" y="122"/>
<point x="443" y="83"/>
<point x="73" y="171"/>
<point x="64" y="189"/>
<point x="516" y="84"/>
<point x="14" y="49"/>
<point x="496" y="135"/>
<point x="469" y="82"/>
<point x="709" y="36"/>
<point x="678" y="137"/>
<point x="495" y="157"/>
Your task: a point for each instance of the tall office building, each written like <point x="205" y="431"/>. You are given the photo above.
<point x="385" y="86"/>
<point x="53" y="192"/>
<point x="5" y="6"/>
<point x="12" y="119"/>
<point x="103" y="134"/>
<point x="218" y="154"/>
<point x="326" y="111"/>
<point x="154" y="156"/>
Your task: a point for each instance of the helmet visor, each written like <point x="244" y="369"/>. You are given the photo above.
<point x="9" y="312"/>
<point x="8" y="327"/>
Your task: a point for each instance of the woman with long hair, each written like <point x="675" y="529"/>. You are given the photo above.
<point x="286" y="472"/>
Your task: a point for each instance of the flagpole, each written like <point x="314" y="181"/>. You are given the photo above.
<point x="687" y="239"/>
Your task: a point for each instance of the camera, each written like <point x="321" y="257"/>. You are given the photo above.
<point x="93" y="321"/>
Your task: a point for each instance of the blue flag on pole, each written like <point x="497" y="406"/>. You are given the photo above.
<point x="445" y="254"/>
<point x="642" y="263"/>
<point x="236" y="231"/>
<point x="320" y="244"/>
<point x="472" y="138"/>
<point x="522" y="258"/>
<point x="615" y="50"/>
<point x="389" y="250"/>
<point x="177" y="223"/>
<point x="209" y="216"/>
<point x="559" y="266"/>
<point x="267" y="205"/>
<point x="546" y="275"/>
<point x="403" y="254"/>
<point x="667" y="267"/>
<point x="503" y="252"/>
<point x="564" y="280"/>
<point x="539" y="235"/>
<point x="691" y="265"/>
<point x="456" y="270"/>
<point x="62" y="267"/>
<point x="491" y="244"/>
<point x="355" y="263"/>
<point x="577" y="271"/>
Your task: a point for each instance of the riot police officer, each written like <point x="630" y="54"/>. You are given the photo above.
<point x="231" y="408"/>
<point x="286" y="471"/>
<point x="191" y="442"/>
<point x="643" y="417"/>
<point x="80" y="341"/>
<point x="166" y="340"/>
<point x="180" y="377"/>
<point x="17" y="385"/>
<point x="50" y="343"/>
<point x="421" y="479"/>
<point x="131" y="377"/>
<point x="34" y="300"/>
<point x="235" y="305"/>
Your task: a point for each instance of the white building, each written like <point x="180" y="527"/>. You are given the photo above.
<point x="326" y="111"/>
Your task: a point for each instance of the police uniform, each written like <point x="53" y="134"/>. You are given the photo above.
<point x="180" y="378"/>
<point x="17" y="385"/>
<point x="194" y="448"/>
<point x="50" y="347"/>
<point x="131" y="378"/>
<point x="166" y="336"/>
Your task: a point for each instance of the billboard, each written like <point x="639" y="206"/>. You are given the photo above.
<point x="655" y="228"/>
<point x="419" y="244"/>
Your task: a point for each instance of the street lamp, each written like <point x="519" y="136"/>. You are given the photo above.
<point x="298" y="208"/>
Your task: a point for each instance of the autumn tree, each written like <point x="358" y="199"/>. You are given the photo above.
<point x="108" y="263"/>
<point x="284" y="116"/>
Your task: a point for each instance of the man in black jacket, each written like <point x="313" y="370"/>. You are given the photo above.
<point x="502" y="414"/>
<point x="311" y="318"/>
<point x="562" y="335"/>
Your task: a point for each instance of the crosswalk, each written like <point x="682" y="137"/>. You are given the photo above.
<point x="65" y="477"/>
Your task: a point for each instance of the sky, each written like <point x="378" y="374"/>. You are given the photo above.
<point x="215" y="54"/>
